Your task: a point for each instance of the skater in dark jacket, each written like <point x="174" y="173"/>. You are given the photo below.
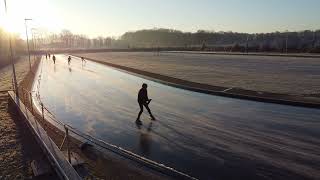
<point x="143" y="100"/>
<point x="69" y="60"/>
<point x="54" y="59"/>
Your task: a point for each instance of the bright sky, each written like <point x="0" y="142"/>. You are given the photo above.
<point x="114" y="17"/>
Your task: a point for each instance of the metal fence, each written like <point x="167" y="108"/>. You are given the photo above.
<point x="58" y="161"/>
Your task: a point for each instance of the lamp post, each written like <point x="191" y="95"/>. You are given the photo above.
<point x="12" y="61"/>
<point x="314" y="40"/>
<point x="33" y="43"/>
<point x="287" y="37"/>
<point x="247" y="44"/>
<point x="25" y="23"/>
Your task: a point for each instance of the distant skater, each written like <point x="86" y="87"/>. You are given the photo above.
<point x="69" y="60"/>
<point x="54" y="59"/>
<point x="143" y="100"/>
<point x="49" y="55"/>
<point x="46" y="56"/>
<point x="83" y="60"/>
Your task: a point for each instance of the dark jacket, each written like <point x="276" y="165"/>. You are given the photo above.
<point x="143" y="96"/>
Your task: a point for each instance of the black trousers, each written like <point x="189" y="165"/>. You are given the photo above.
<point x="141" y="109"/>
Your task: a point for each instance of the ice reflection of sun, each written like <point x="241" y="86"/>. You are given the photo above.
<point x="39" y="10"/>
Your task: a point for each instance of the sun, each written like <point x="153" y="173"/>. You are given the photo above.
<point x="12" y="21"/>
<point x="9" y="26"/>
<point x="39" y="11"/>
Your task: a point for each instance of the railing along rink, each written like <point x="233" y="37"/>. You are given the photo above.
<point x="61" y="166"/>
<point x="48" y="117"/>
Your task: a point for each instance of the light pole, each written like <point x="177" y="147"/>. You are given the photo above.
<point x="25" y="23"/>
<point x="11" y="57"/>
<point x="314" y="40"/>
<point x="287" y="36"/>
<point x="33" y="43"/>
<point x="247" y="44"/>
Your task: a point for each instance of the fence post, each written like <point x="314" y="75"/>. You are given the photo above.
<point x="13" y="88"/>
<point x="42" y="112"/>
<point x="23" y="97"/>
<point x="68" y="148"/>
<point x="31" y="103"/>
<point x="25" y="104"/>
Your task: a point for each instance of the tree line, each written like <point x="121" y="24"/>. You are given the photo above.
<point x="18" y="46"/>
<point x="167" y="39"/>
<point x="300" y="42"/>
<point x="303" y="41"/>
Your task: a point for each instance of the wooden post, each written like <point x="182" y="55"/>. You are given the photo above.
<point x="68" y="148"/>
<point x="12" y="85"/>
<point x="25" y="104"/>
<point x="31" y="103"/>
<point x="23" y="97"/>
<point x="12" y="61"/>
<point x="42" y="111"/>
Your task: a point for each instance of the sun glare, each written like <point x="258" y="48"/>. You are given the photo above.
<point x="38" y="10"/>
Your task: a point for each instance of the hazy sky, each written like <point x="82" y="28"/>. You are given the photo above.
<point x="114" y="17"/>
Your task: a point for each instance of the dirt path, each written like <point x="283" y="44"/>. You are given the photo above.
<point x="22" y="68"/>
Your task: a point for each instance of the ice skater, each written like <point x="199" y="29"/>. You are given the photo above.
<point x="143" y="100"/>
<point x="46" y="56"/>
<point x="83" y="60"/>
<point x="54" y="59"/>
<point x="69" y="60"/>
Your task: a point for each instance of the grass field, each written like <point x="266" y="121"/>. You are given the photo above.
<point x="287" y="75"/>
